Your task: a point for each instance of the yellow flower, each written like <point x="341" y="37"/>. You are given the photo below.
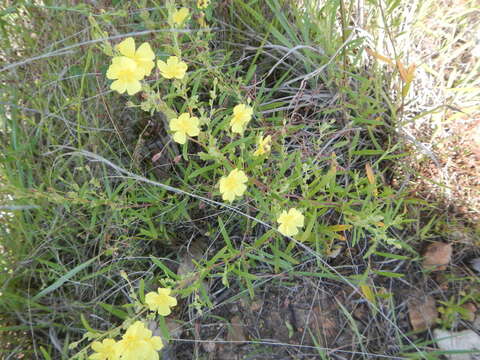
<point x="184" y="125"/>
<point x="242" y="114"/>
<point x="290" y="222"/>
<point x="173" y="68"/>
<point x="179" y="16"/>
<point x="263" y="145"/>
<point x="203" y="4"/>
<point x="106" y="350"/>
<point x="161" y="301"/>
<point x="143" y="56"/>
<point x="138" y="343"/>
<point x="233" y="185"/>
<point x="127" y="75"/>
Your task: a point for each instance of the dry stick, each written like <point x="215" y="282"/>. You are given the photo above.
<point x="344" y="59"/>
<point x="139" y="178"/>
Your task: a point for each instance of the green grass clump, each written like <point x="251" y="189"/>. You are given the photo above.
<point x="101" y="204"/>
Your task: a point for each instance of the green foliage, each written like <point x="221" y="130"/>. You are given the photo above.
<point x="83" y="230"/>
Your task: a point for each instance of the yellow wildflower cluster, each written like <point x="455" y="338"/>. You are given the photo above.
<point x="129" y="69"/>
<point x="138" y="342"/>
<point x="133" y="65"/>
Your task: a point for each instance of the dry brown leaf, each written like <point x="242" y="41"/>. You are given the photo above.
<point x="371" y="177"/>
<point x="422" y="312"/>
<point x="209" y="346"/>
<point x="370" y="173"/>
<point x="339" y="227"/>
<point x="437" y="256"/>
<point x="402" y="70"/>
<point x="410" y="73"/>
<point x="471" y="310"/>
<point x="379" y="56"/>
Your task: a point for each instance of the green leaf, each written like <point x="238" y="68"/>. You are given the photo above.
<point x="165" y="269"/>
<point x="64" y="279"/>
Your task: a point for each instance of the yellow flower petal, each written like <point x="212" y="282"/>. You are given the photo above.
<point x="179" y="16"/>
<point x="144" y="57"/>
<point x="144" y="52"/>
<point x="106" y="350"/>
<point x="180" y="138"/>
<point x="127" y="47"/>
<point x="134" y="87"/>
<point x="119" y="86"/>
<point x="112" y="72"/>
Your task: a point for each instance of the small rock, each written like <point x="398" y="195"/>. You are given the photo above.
<point x="321" y="321"/>
<point x="437" y="256"/>
<point x="209" y="346"/>
<point x="476" y="264"/>
<point x="456" y="341"/>
<point x="235" y="330"/>
<point x="256" y="305"/>
<point x="422" y="312"/>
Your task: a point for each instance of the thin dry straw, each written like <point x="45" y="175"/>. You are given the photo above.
<point x="68" y="49"/>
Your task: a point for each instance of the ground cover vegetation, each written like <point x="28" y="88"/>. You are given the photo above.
<point x="229" y="179"/>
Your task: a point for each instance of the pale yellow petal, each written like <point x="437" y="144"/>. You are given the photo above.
<point x="240" y="189"/>
<point x="147" y="67"/>
<point x="180" y="137"/>
<point x="184" y="117"/>
<point x="112" y="72"/>
<point x="237" y="128"/>
<point x="156" y="343"/>
<point x="97" y="346"/>
<point x="242" y="177"/>
<point x="222" y="184"/>
<point x="171" y="301"/>
<point x="163" y="309"/>
<point x="144" y="52"/>
<point x="127" y="47"/>
<point x="119" y="86"/>
<point x="172" y="60"/>
<point x="193" y="131"/>
<point x="228" y="196"/>
<point x="134" y="87"/>
<point x="180" y="15"/>
<point x="194" y="128"/>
